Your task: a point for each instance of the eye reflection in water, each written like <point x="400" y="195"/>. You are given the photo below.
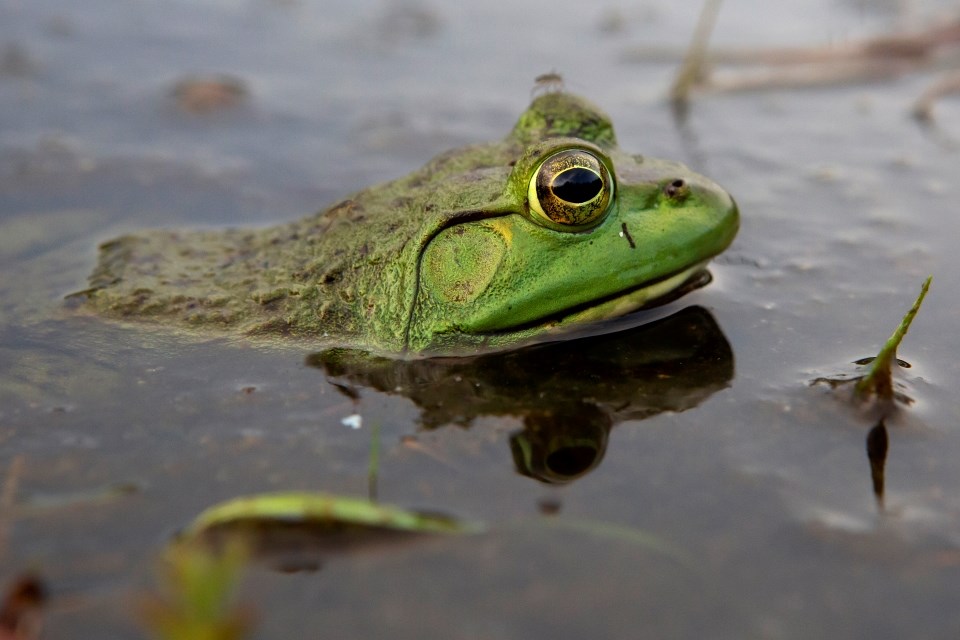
<point x="566" y="396"/>
<point x="557" y="449"/>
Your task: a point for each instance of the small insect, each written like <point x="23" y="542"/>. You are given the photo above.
<point x="547" y="83"/>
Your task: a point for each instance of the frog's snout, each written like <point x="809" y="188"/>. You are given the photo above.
<point x="708" y="196"/>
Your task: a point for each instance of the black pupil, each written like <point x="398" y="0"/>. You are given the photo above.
<point x="577" y="185"/>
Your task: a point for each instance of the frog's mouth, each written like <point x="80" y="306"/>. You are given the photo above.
<point x="648" y="294"/>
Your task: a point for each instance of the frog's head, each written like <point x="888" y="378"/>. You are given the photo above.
<point x="575" y="230"/>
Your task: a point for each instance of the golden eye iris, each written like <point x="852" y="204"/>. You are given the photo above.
<point x="571" y="188"/>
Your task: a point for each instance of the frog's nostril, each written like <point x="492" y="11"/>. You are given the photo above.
<point x="675" y="188"/>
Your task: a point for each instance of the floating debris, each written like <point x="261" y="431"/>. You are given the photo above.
<point x="693" y="70"/>
<point x="20" y="608"/>
<point x="354" y="421"/>
<point x="202" y="95"/>
<point x="923" y="107"/>
<point x="877" y="58"/>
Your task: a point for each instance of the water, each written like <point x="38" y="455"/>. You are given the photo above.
<point x="116" y="437"/>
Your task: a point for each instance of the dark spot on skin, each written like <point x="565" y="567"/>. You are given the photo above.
<point x="331" y="277"/>
<point x="364" y="250"/>
<point x="458" y="230"/>
<point x="340" y="208"/>
<point x="279" y="326"/>
<point x="347" y="209"/>
<point x="512" y="163"/>
<point x="626" y="234"/>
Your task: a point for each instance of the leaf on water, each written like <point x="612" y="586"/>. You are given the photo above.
<point x="323" y="511"/>
<point x="879" y="380"/>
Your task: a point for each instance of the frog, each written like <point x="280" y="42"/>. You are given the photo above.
<point x="484" y="248"/>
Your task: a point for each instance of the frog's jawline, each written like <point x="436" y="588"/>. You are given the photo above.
<point x="690" y="279"/>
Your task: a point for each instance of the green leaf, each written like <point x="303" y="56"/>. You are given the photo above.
<point x="324" y="511"/>
<point x="879" y="380"/>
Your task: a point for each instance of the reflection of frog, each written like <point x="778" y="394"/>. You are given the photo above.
<point x="484" y="247"/>
<point x="567" y="395"/>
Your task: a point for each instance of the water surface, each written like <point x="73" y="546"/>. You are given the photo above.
<point x="115" y="437"/>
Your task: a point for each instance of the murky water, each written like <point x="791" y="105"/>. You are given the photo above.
<point x="112" y="438"/>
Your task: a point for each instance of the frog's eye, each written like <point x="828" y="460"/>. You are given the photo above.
<point x="571" y="188"/>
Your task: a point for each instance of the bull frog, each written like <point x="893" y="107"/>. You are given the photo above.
<point x="483" y="248"/>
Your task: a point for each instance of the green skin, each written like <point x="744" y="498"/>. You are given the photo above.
<point x="447" y="260"/>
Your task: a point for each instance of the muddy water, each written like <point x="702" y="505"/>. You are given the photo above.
<point x="111" y="438"/>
